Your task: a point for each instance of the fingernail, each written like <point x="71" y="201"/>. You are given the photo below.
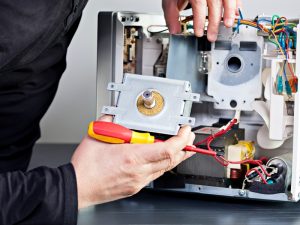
<point x="212" y="37"/>
<point x="187" y="127"/>
<point x="172" y="31"/>
<point x="229" y="22"/>
<point x="174" y="28"/>
<point x="199" y="33"/>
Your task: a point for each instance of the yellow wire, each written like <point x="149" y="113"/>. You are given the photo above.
<point x="276" y="40"/>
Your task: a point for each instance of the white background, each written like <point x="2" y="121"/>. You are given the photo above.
<point x="75" y="103"/>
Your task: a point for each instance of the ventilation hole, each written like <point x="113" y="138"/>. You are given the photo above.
<point x="234" y="64"/>
<point x="233" y="103"/>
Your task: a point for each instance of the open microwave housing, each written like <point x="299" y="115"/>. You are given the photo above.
<point x="203" y="84"/>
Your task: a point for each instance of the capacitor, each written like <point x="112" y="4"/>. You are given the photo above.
<point x="284" y="165"/>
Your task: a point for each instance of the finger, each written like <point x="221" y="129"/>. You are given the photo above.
<point x="164" y="150"/>
<point x="105" y="118"/>
<point x="214" y="18"/>
<point x="159" y="173"/>
<point x="191" y="139"/>
<point x="166" y="165"/>
<point x="229" y="12"/>
<point x="199" y="11"/>
<point x="181" y="140"/>
<point x="171" y="13"/>
<point x="182" y="4"/>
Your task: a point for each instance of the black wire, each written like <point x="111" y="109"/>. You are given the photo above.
<point x="156" y="32"/>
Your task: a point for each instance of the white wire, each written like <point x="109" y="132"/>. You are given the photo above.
<point x="237" y="116"/>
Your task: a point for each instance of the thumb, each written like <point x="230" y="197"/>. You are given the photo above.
<point x="105" y="118"/>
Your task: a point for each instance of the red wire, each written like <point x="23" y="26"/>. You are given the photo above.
<point x="264" y="159"/>
<point x="203" y="141"/>
<point x="219" y="133"/>
<point x="259" y="174"/>
<point x="222" y="160"/>
<point x="194" y="149"/>
<point x="225" y="162"/>
<point x="218" y="159"/>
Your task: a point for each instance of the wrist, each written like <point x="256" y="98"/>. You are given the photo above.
<point x="81" y="192"/>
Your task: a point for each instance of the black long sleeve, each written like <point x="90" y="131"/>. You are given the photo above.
<point x="41" y="196"/>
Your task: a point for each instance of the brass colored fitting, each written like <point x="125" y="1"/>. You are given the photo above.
<point x="150" y="103"/>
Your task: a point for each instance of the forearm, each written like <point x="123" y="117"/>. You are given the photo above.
<point x="40" y="196"/>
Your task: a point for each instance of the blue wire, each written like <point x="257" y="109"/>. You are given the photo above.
<point x="257" y="25"/>
<point x="288" y="88"/>
<point x="238" y="26"/>
<point x="284" y="72"/>
<point x="264" y="20"/>
<point x="239" y="21"/>
<point x="241" y="15"/>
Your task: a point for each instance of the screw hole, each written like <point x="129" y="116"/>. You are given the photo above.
<point x="190" y="121"/>
<point x="112" y="86"/>
<point x="233" y="104"/>
<point x="218" y="63"/>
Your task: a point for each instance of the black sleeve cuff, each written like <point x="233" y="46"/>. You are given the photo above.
<point x="70" y="190"/>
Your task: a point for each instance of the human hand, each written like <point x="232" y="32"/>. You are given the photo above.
<point x="215" y="8"/>
<point x="107" y="172"/>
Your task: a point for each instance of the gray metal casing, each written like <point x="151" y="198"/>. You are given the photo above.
<point x="182" y="48"/>
<point x="242" y="85"/>
<point x="177" y="99"/>
<point x="110" y="41"/>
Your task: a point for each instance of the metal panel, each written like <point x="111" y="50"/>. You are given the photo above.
<point x="177" y="98"/>
<point x="182" y="62"/>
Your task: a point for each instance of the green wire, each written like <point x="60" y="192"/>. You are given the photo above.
<point x="273" y="19"/>
<point x="272" y="41"/>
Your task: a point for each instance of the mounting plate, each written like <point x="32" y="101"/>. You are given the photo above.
<point x="177" y="104"/>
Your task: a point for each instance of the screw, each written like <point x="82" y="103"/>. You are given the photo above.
<point x="242" y="192"/>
